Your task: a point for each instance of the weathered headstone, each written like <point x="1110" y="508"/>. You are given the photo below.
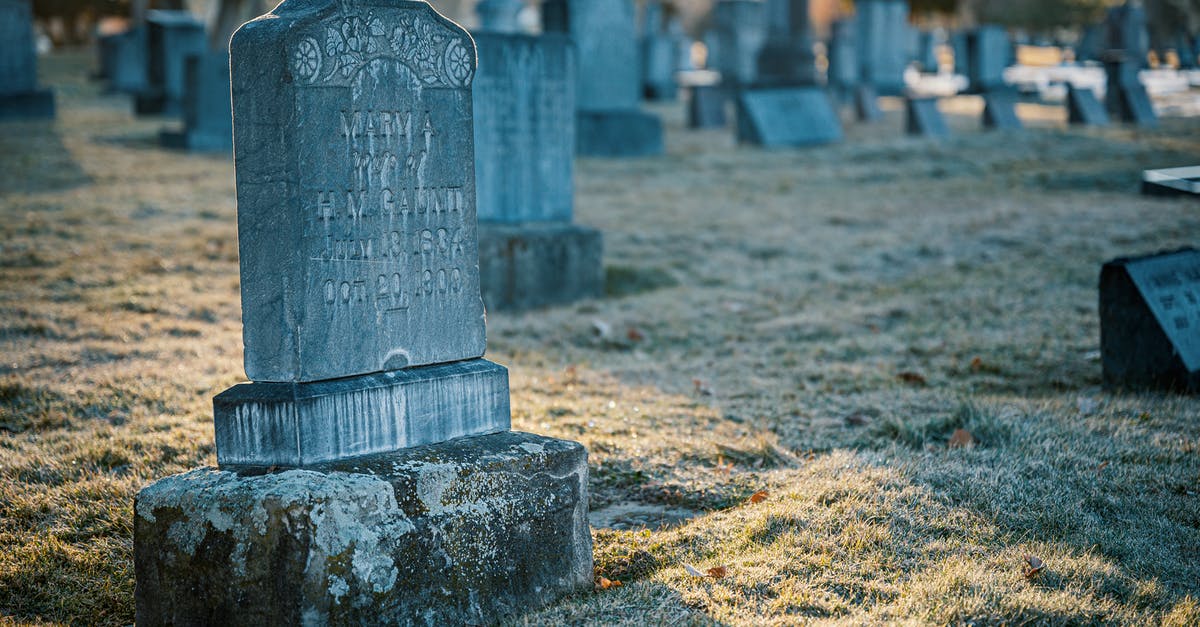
<point x="738" y="33"/>
<point x="1083" y="108"/>
<point x="1150" y="322"/>
<point x="927" y="45"/>
<point x="843" y="60"/>
<point x="342" y="497"/>
<point x="882" y="51"/>
<point x="19" y="93"/>
<point x="128" y="70"/>
<point x="1126" y="30"/>
<point x="608" y="120"/>
<point x="660" y="49"/>
<point x="1000" y="110"/>
<point x="785" y="107"/>
<point x="207" y="113"/>
<point x="1126" y="98"/>
<point x="792" y="116"/>
<point x="530" y="253"/>
<point x="499" y="16"/>
<point x="866" y="104"/>
<point x="706" y="107"/>
<point x="923" y="118"/>
<point x="171" y="37"/>
<point x="988" y="51"/>
<point x="1172" y="182"/>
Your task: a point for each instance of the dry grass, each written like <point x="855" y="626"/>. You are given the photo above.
<point x="775" y="298"/>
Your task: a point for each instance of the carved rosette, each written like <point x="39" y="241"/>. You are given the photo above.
<point x="346" y="43"/>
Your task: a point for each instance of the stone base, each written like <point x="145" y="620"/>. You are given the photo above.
<point x="1000" y="111"/>
<point x="29" y="105"/>
<point x="706" y="107"/>
<point x="461" y="532"/>
<point x="300" y="424"/>
<point x="629" y="133"/>
<point x="536" y="264"/>
<point x="924" y="119"/>
<point x="866" y="104"/>
<point x="1083" y="108"/>
<point x="195" y="141"/>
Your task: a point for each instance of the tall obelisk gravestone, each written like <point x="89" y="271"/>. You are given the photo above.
<point x="530" y="253"/>
<point x="785" y="107"/>
<point x="346" y="492"/>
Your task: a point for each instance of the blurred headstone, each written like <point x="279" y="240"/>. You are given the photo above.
<point x="866" y="104"/>
<point x="1127" y="31"/>
<point x="171" y="37"/>
<point x="499" y="16"/>
<point x="736" y="36"/>
<point x="787" y="58"/>
<point x="20" y="96"/>
<point x="1126" y="98"/>
<point x="1150" y="322"/>
<point x="706" y="107"/>
<point x="207" y="113"/>
<point x="608" y="121"/>
<point x="127" y="73"/>
<point x="927" y="51"/>
<point x="923" y="118"/>
<point x="1083" y="108"/>
<point x="530" y="253"/>
<point x="1172" y="182"/>
<point x="660" y="50"/>
<point x="843" y="59"/>
<point x="1091" y="44"/>
<point x="988" y="51"/>
<point x="882" y="35"/>
<point x="1000" y="110"/>
<point x="789" y="116"/>
<point x="347" y="491"/>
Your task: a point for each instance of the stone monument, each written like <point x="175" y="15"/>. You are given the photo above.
<point x="924" y="119"/>
<point x="786" y="107"/>
<point x="530" y="253"/>
<point x="882" y="35"/>
<point x="500" y="16"/>
<point x="1083" y="108"/>
<point x="171" y="37"/>
<point x="608" y="120"/>
<point x="737" y="34"/>
<point x="19" y="93"/>
<point x="342" y="494"/>
<point x="842" y="76"/>
<point x="988" y="51"/>
<point x="1000" y="110"/>
<point x="660" y="49"/>
<point x="207" y="113"/>
<point x="1150" y="322"/>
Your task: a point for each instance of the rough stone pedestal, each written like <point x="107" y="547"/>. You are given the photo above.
<point x="462" y="532"/>
<point x="523" y="266"/>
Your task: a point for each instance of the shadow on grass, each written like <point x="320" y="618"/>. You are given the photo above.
<point x="34" y="159"/>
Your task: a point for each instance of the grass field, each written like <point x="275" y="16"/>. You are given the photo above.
<point x="812" y="324"/>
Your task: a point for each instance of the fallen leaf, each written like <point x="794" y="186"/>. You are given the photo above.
<point x="604" y="583"/>
<point x="1102" y="466"/>
<point x="758" y="497"/>
<point x="723" y="466"/>
<point x="977" y="364"/>
<point x="914" y="378"/>
<point x="962" y="439"/>
<point x="692" y="570"/>
<point x="635" y="334"/>
<point x="858" y="420"/>
<point x="701" y="387"/>
<point x="1035" y="566"/>
<point x="717" y="572"/>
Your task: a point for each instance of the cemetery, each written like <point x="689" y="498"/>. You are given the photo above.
<point x="530" y="312"/>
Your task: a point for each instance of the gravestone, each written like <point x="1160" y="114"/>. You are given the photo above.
<point x="1000" y="110"/>
<point x="1091" y="43"/>
<point x="785" y="107"/>
<point x="866" y="104"/>
<point x="660" y="50"/>
<point x="923" y="118"/>
<point x="927" y="52"/>
<point x="1172" y="182"/>
<point x="1126" y="30"/>
<point x="530" y="253"/>
<point x="794" y="116"/>
<point x="1083" y="108"/>
<point x="171" y="37"/>
<point x="1126" y="98"/>
<point x="128" y="70"/>
<point x="499" y="16"/>
<point x="19" y="93"/>
<point x="882" y="33"/>
<point x="842" y="75"/>
<point x="207" y="113"/>
<point x="962" y="57"/>
<point x="347" y="492"/>
<point x="988" y="51"/>
<point x="706" y="107"/>
<point x="608" y="120"/>
<point x="1186" y="51"/>
<point x="738" y="32"/>
<point x="1150" y="322"/>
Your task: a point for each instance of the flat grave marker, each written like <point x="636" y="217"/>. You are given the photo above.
<point x="924" y="118"/>
<point x="1000" y="111"/>
<point x="788" y="117"/>
<point x="1083" y="108"/>
<point x="1172" y="182"/>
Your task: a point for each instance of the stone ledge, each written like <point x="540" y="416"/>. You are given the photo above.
<point x="300" y="424"/>
<point x="461" y="532"/>
<point x="536" y="264"/>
